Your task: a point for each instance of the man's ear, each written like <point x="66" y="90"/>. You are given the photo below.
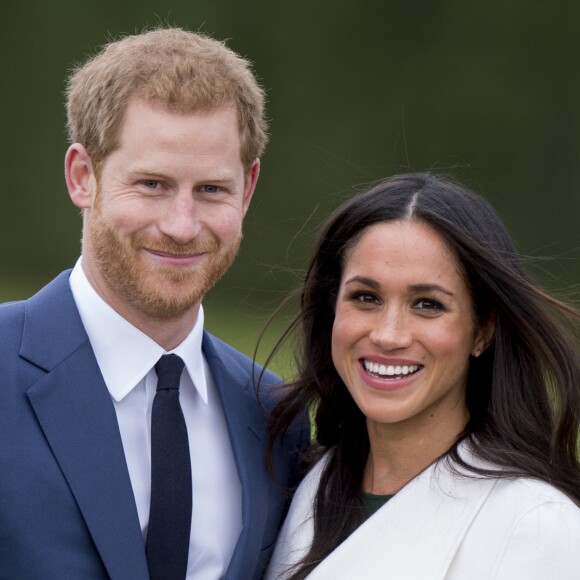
<point x="80" y="176"/>
<point x="250" y="184"/>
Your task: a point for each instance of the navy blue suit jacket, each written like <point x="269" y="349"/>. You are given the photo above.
<point x="67" y="509"/>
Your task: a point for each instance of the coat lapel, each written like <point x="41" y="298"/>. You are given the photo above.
<point x="416" y="534"/>
<point x="76" y="414"/>
<point x="246" y="429"/>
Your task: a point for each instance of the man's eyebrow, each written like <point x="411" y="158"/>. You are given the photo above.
<point x="225" y="175"/>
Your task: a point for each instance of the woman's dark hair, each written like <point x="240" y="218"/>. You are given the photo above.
<point x="523" y="392"/>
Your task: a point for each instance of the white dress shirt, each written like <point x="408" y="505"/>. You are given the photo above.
<point x="126" y="357"/>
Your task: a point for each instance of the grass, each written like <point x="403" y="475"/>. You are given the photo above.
<point x="242" y="329"/>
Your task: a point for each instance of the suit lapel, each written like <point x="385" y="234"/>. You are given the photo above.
<point x="246" y="429"/>
<point x="76" y="414"/>
<point x="416" y="534"/>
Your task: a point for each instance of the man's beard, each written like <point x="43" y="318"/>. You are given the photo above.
<point x="161" y="292"/>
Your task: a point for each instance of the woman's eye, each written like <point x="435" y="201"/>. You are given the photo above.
<point x="429" y="304"/>
<point x="364" y="298"/>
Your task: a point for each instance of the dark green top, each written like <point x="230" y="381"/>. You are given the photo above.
<point x="373" y="503"/>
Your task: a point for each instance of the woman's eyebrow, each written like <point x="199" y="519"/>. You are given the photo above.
<point x="430" y="288"/>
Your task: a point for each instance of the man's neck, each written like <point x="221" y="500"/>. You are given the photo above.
<point x="166" y="332"/>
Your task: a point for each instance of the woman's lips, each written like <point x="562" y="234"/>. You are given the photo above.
<point x="389" y="375"/>
<point x="391" y="371"/>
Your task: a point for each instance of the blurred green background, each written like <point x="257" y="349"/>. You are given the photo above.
<point x="357" y="90"/>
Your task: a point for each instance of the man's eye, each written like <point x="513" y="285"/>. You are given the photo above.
<point x="151" y="183"/>
<point x="211" y="188"/>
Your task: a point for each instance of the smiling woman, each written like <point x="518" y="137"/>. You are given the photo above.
<point x="443" y="390"/>
<point x="403" y="331"/>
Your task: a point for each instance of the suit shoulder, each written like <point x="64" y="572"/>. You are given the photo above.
<point x="10" y="310"/>
<point x="11" y="320"/>
<point x="15" y="309"/>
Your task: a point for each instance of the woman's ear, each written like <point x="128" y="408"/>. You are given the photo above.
<point x="484" y="335"/>
<point x="80" y="176"/>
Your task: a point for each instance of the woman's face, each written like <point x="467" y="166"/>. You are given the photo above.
<point x="405" y="327"/>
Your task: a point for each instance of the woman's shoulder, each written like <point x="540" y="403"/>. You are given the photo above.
<point x="527" y="525"/>
<point x="520" y="491"/>
<point x="524" y="497"/>
<point x="516" y="514"/>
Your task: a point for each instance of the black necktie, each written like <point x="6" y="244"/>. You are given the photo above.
<point x="167" y="544"/>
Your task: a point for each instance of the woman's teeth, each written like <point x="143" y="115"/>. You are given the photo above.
<point x="390" y="371"/>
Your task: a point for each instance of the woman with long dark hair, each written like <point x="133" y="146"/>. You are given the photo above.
<point x="445" y="388"/>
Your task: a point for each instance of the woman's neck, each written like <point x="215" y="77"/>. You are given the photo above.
<point x="397" y="454"/>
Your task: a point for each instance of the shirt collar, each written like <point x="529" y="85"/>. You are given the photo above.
<point x="124" y="353"/>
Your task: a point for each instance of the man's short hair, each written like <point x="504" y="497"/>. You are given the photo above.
<point x="184" y="71"/>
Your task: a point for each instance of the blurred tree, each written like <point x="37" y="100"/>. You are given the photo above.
<point x="357" y="90"/>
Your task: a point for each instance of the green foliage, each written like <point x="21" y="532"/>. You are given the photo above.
<point x="357" y="91"/>
<point x="245" y="329"/>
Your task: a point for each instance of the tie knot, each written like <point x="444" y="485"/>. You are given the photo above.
<point x="169" y="369"/>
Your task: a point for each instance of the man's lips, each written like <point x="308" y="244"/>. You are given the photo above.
<point x="176" y="259"/>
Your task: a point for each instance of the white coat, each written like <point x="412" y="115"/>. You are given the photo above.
<point x="445" y="526"/>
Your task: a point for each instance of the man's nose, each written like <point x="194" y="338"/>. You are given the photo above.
<point x="181" y="220"/>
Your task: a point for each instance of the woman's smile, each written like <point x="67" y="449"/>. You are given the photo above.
<point x="404" y="325"/>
